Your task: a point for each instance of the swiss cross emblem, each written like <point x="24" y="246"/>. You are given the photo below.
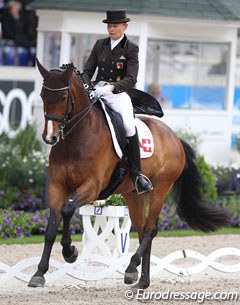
<point x="119" y="65"/>
<point x="146" y="145"/>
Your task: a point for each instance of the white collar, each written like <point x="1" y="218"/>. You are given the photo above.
<point x="114" y="43"/>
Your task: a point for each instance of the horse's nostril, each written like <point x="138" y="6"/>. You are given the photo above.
<point x="50" y="140"/>
<point x="53" y="140"/>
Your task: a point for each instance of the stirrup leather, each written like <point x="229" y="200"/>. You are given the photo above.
<point x="147" y="180"/>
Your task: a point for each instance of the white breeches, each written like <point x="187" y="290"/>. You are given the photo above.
<point x="122" y="104"/>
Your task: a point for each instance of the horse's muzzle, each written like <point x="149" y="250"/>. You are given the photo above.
<point x="51" y="141"/>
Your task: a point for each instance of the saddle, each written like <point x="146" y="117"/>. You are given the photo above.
<point x="143" y="103"/>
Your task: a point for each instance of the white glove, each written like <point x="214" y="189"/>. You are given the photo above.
<point x="100" y="91"/>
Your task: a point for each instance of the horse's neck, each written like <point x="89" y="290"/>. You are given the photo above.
<point x="80" y="96"/>
<point x="84" y="111"/>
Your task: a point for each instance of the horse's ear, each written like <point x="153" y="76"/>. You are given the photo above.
<point x="44" y="72"/>
<point x="67" y="73"/>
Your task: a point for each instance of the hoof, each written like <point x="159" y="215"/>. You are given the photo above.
<point x="37" y="281"/>
<point x="73" y="257"/>
<point x="130" y="278"/>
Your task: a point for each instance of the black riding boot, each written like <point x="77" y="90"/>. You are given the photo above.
<point x="141" y="182"/>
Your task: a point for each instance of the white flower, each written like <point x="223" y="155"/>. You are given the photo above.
<point x="235" y="166"/>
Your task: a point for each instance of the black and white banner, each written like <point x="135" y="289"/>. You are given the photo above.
<point x="16" y="106"/>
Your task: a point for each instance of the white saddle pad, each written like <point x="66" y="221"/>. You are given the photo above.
<point x="144" y="134"/>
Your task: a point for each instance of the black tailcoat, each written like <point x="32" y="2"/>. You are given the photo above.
<point x="118" y="66"/>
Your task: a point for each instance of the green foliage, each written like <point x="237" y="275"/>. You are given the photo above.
<point x="209" y="189"/>
<point x="22" y="167"/>
<point x="26" y="141"/>
<point x="26" y="173"/>
<point x="20" y="223"/>
<point x="232" y="203"/>
<point x="22" y="161"/>
<point x="31" y="201"/>
<point x="115" y="200"/>
<point x="8" y="196"/>
<point x="23" y="224"/>
<point x="227" y="178"/>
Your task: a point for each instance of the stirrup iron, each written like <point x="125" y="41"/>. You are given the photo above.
<point x="147" y="180"/>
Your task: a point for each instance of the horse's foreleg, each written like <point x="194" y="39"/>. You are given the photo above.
<point x="38" y="279"/>
<point x="69" y="252"/>
<point x="85" y="193"/>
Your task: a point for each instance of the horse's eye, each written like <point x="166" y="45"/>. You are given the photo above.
<point x="63" y="99"/>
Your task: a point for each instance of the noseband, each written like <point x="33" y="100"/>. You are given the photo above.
<point x="64" y="120"/>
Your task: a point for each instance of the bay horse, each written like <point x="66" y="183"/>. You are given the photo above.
<point x="82" y="160"/>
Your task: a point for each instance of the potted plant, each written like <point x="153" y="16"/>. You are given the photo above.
<point x="106" y="227"/>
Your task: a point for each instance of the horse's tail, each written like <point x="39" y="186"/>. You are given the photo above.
<point x="191" y="208"/>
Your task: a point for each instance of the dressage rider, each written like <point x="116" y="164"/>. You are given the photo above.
<point x="116" y="58"/>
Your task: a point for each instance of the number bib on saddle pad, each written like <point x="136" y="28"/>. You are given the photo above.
<point x="145" y="138"/>
<point x="144" y="134"/>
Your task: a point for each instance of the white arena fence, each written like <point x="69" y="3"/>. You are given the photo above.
<point x="97" y="267"/>
<point x="105" y="253"/>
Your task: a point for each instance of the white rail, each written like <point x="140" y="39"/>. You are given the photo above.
<point x="105" y="253"/>
<point x="95" y="267"/>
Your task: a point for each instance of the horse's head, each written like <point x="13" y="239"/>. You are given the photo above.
<point x="57" y="101"/>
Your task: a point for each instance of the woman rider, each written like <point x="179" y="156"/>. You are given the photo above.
<point x="116" y="58"/>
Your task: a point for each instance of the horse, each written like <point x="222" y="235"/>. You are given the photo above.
<point x="82" y="160"/>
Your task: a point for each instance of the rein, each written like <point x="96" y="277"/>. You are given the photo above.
<point x="78" y="117"/>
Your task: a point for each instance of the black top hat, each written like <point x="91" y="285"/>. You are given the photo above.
<point x="117" y="16"/>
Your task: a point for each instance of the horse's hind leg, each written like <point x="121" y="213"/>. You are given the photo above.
<point x="146" y="244"/>
<point x="38" y="279"/>
<point x="69" y="252"/>
<point x="150" y="231"/>
<point x="143" y="253"/>
<point x="157" y="197"/>
<point x="137" y="210"/>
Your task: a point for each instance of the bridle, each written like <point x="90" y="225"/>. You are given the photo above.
<point x="65" y="121"/>
<point x="55" y="118"/>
